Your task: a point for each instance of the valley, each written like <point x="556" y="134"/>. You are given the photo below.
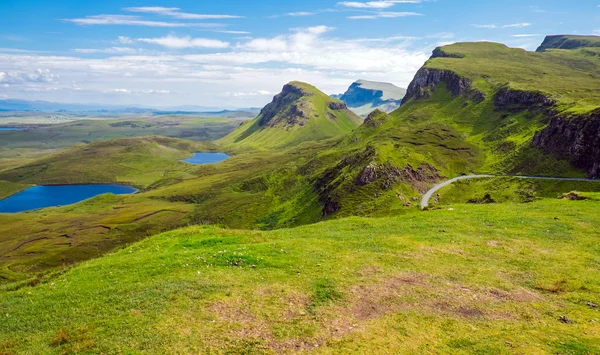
<point x="302" y="229"/>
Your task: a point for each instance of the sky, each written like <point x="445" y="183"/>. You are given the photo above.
<point x="239" y="53"/>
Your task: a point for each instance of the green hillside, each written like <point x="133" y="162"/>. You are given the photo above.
<point x="135" y="161"/>
<point x="300" y="113"/>
<point x="467" y="280"/>
<point x="568" y="42"/>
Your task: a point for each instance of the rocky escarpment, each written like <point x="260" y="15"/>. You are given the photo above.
<point x="390" y="175"/>
<point x="426" y="80"/>
<point x="576" y="139"/>
<point x="507" y="97"/>
<point x="284" y="102"/>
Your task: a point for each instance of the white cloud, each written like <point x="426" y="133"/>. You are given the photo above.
<point x="513" y="25"/>
<point x="127" y="20"/>
<point x="384" y="15"/>
<point x="36" y="76"/>
<point x="300" y="13"/>
<point x="233" y="32"/>
<point x="596" y="32"/>
<point x="111" y="50"/>
<point x="123" y="40"/>
<point x="313" y="54"/>
<point x="174" y="42"/>
<point x="384" y="4"/>
<point x="135" y="92"/>
<point x="176" y="13"/>
<point x="246" y="94"/>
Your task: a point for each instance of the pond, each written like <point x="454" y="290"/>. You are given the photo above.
<point x="206" y="158"/>
<point x="11" y="129"/>
<point x="37" y="197"/>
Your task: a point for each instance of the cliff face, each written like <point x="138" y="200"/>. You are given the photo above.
<point x="285" y="100"/>
<point x="576" y="139"/>
<point x="427" y="79"/>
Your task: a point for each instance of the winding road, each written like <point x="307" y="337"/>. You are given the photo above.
<point x="436" y="188"/>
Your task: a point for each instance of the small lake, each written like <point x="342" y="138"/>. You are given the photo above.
<point x="206" y="158"/>
<point x="11" y="129"/>
<point x="38" y="197"/>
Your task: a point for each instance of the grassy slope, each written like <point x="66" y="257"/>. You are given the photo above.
<point x="569" y="42"/>
<point x="319" y="125"/>
<point x="9" y="188"/>
<point x="472" y="279"/>
<point x="21" y="147"/>
<point x="135" y="161"/>
<point x="568" y="76"/>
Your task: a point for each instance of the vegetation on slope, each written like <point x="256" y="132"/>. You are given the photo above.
<point x="21" y="147"/>
<point x="135" y="161"/>
<point x="568" y="42"/>
<point x="471" y="279"/>
<point x="300" y="113"/>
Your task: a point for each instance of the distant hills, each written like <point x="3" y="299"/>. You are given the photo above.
<point x="17" y="105"/>
<point x="364" y="96"/>
<point x="298" y="114"/>
<point x="569" y="42"/>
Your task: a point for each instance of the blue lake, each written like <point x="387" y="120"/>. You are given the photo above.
<point x="11" y="129"/>
<point x="206" y="158"/>
<point x="37" y="197"/>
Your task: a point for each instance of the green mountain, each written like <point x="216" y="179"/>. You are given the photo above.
<point x="300" y="113"/>
<point x="569" y="42"/>
<point x="363" y="97"/>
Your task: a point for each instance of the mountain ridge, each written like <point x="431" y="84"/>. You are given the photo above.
<point x="365" y="96"/>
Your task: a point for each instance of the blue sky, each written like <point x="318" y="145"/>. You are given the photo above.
<point x="234" y="53"/>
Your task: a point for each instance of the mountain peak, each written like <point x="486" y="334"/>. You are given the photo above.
<point x="300" y="112"/>
<point x="364" y="96"/>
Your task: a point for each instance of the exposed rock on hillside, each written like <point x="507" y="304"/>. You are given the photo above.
<point x="576" y="139"/>
<point x="427" y="79"/>
<point x="512" y="97"/>
<point x="300" y="113"/>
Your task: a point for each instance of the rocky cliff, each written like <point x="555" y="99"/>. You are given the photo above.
<point x="574" y="138"/>
<point x="426" y="80"/>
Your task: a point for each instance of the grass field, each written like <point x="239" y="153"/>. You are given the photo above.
<point x="471" y="279"/>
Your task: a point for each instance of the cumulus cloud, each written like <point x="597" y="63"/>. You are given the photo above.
<point x="225" y="77"/>
<point x="111" y="50"/>
<point x="176" y="13"/>
<point x="37" y="76"/>
<point x="175" y="42"/>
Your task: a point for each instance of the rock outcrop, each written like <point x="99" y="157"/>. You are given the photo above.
<point x="576" y="139"/>
<point x="285" y="100"/>
<point x="524" y="99"/>
<point x="426" y="80"/>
